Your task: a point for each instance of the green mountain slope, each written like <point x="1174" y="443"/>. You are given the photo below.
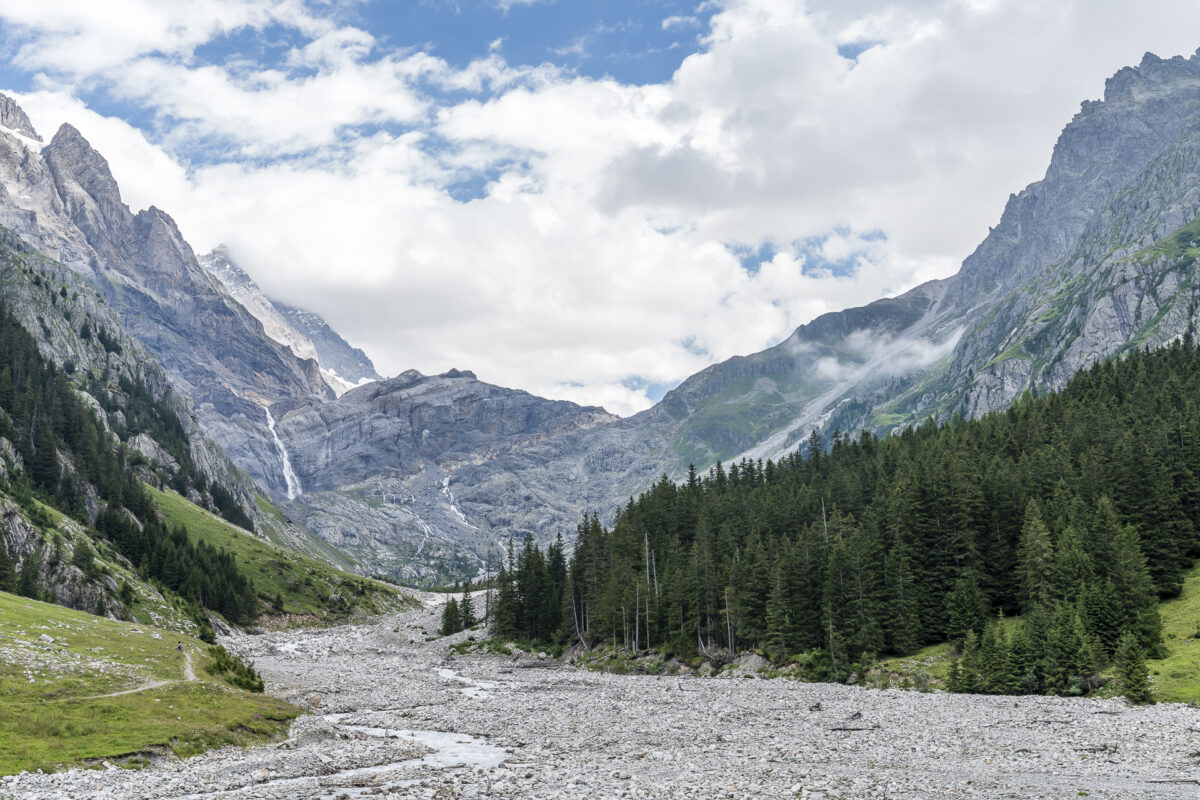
<point x="310" y="590"/>
<point x="78" y="688"/>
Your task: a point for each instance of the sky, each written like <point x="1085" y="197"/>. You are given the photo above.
<point x="586" y="200"/>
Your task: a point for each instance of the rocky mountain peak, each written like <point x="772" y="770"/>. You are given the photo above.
<point x="13" y="117"/>
<point x="89" y="193"/>
<point x="307" y="333"/>
<point x="1151" y="76"/>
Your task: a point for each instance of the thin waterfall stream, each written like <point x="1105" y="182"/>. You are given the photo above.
<point x="289" y="475"/>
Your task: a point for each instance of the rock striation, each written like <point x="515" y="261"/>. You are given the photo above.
<point x="63" y="200"/>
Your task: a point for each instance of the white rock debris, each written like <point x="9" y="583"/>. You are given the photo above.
<point x="396" y="716"/>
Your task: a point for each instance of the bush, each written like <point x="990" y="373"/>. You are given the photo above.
<point x="233" y="670"/>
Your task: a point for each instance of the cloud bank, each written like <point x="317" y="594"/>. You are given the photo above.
<point x="578" y="236"/>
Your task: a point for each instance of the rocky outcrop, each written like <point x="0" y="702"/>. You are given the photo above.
<point x="348" y="364"/>
<point x="421" y="476"/>
<point x="69" y="585"/>
<point x="62" y="199"/>
<point x="13" y="117"/>
<point x="306" y="334"/>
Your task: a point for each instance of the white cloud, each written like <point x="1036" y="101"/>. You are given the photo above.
<point x="602" y="243"/>
<point x="680" y="21"/>
<point x="508" y="5"/>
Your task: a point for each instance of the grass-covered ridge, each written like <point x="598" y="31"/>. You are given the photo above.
<point x="95" y="688"/>
<point x="308" y="589"/>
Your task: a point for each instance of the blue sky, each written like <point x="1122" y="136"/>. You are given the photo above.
<point x="623" y="39"/>
<point x="630" y="41"/>
<point x="587" y="200"/>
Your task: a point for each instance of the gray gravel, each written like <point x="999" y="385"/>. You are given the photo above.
<point x="394" y="715"/>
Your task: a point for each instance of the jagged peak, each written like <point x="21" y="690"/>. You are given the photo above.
<point x="68" y="133"/>
<point x="459" y="373"/>
<point x="70" y="153"/>
<point x="1150" y="71"/>
<point x="13" y="117"/>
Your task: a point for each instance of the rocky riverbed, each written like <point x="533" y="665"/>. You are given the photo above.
<point x="394" y="715"/>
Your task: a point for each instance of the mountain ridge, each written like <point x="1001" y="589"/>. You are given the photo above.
<point x="1095" y="257"/>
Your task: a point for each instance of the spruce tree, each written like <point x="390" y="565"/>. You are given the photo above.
<point x="8" y="574"/>
<point x="1134" y="677"/>
<point x="451" y="621"/>
<point x="466" y="609"/>
<point x="1036" y="559"/>
<point x="966" y="608"/>
<point x="27" y="581"/>
<point x="954" y="682"/>
<point x="778" y="620"/>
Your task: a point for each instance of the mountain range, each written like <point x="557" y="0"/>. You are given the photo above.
<point x="420" y="476"/>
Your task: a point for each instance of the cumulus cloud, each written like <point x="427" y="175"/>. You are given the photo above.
<point x="601" y="241"/>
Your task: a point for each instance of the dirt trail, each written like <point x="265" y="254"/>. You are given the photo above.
<point x="189" y="674"/>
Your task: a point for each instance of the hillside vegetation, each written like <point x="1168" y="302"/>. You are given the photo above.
<point x="286" y="582"/>
<point x="1078" y="510"/>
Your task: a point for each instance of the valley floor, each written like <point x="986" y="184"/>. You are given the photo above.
<point x="394" y="715"/>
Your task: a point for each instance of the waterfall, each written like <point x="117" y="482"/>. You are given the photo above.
<point x="289" y="474"/>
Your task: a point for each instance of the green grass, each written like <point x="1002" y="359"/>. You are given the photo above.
<point x="50" y="711"/>
<point x="309" y="588"/>
<point x="1179" y="244"/>
<point x="1176" y="678"/>
<point x="933" y="660"/>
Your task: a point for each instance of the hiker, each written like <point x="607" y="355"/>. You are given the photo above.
<point x="179" y="646"/>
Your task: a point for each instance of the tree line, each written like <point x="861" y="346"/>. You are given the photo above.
<point x="1078" y="510"/>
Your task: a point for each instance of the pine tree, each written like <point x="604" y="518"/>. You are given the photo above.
<point x="778" y="621"/>
<point x="27" y="581"/>
<point x="466" y="609"/>
<point x="451" y="621"/>
<point x="1036" y="559"/>
<point x="954" y="682"/>
<point x="1130" y="663"/>
<point x="506" y="610"/>
<point x="8" y="574"/>
<point x="966" y="608"/>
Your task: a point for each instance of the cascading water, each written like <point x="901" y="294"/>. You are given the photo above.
<point x="289" y="474"/>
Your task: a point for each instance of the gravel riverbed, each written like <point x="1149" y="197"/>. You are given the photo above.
<point x="394" y="715"/>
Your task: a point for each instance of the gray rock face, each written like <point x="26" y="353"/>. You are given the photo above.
<point x="63" y="200"/>
<point x="421" y="476"/>
<point x="305" y="333"/>
<point x="333" y="352"/>
<point x="13" y="117"/>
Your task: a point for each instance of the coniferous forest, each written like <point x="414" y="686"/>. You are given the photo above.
<point x="65" y="450"/>
<point x="1078" y="510"/>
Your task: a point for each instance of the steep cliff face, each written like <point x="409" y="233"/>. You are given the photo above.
<point x="377" y="468"/>
<point x="348" y="364"/>
<point x="420" y="475"/>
